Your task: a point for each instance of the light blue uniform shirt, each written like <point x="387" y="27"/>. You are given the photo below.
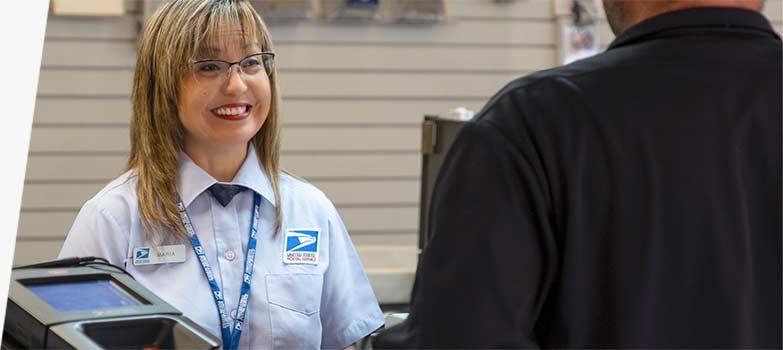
<point x="292" y="305"/>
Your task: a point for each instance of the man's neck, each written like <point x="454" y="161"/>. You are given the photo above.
<point x="636" y="11"/>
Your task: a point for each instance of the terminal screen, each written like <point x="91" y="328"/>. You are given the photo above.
<point x="84" y="295"/>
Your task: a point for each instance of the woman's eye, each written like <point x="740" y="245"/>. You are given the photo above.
<point x="208" y="67"/>
<point x="251" y="62"/>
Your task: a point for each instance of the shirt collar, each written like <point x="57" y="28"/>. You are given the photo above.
<point x="192" y="180"/>
<point x="701" y="18"/>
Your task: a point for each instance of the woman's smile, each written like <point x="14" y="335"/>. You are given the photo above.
<point x="233" y="111"/>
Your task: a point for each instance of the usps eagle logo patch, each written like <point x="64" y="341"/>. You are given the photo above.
<point x="143" y="253"/>
<point x="301" y="246"/>
<point x="141" y="256"/>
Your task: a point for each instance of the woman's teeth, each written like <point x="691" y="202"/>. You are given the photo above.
<point x="231" y="111"/>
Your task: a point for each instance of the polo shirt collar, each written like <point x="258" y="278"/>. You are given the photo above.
<point x="705" y="18"/>
<point x="192" y="180"/>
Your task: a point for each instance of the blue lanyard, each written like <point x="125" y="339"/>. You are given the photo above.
<point x="230" y="337"/>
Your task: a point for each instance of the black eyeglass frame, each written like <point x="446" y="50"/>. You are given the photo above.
<point x="262" y="53"/>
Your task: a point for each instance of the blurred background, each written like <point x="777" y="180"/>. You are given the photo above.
<point x="357" y="77"/>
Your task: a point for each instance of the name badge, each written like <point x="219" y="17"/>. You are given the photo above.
<point x="301" y="246"/>
<point x="164" y="254"/>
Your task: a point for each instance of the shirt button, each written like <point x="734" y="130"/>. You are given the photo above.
<point x="234" y="314"/>
<point x="230" y="255"/>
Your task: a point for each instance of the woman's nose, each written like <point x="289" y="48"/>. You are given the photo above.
<point x="235" y="83"/>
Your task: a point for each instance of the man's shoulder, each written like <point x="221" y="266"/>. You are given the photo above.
<point x="549" y="90"/>
<point x="561" y="77"/>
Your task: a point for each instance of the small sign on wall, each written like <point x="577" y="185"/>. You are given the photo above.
<point x="413" y="11"/>
<point x="384" y="11"/>
<point x="578" y="42"/>
<point x="579" y="37"/>
<point x="349" y="10"/>
<point x="285" y="10"/>
<point x="88" y="7"/>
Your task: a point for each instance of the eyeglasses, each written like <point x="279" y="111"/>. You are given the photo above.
<point x="210" y="71"/>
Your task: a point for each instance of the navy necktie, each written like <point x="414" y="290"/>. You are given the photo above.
<point x="224" y="193"/>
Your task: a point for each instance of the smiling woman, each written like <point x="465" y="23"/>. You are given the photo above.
<point x="170" y="93"/>
<point x="203" y="187"/>
<point x="222" y="108"/>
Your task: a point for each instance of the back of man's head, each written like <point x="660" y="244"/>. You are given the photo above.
<point x="623" y="14"/>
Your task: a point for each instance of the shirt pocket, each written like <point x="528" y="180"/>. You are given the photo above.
<point x="294" y="305"/>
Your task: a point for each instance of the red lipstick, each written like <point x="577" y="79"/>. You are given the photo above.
<point x="232" y="111"/>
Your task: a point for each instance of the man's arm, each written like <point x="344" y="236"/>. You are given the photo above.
<point x="484" y="277"/>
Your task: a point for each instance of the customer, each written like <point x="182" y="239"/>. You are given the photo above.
<point x="629" y="200"/>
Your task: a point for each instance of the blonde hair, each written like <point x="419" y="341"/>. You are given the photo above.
<point x="171" y="39"/>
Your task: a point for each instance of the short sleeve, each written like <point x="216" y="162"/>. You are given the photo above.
<point x="349" y="308"/>
<point x="485" y="274"/>
<point x="95" y="232"/>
